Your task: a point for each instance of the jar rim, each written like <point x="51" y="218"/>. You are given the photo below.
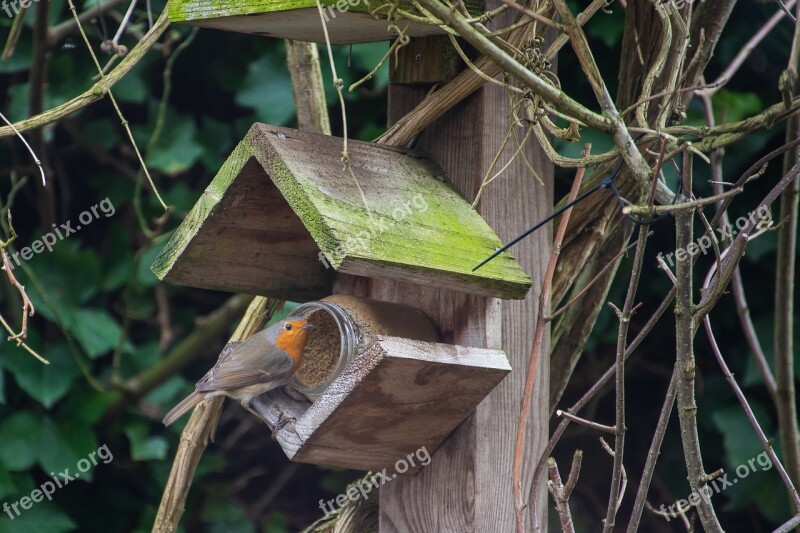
<point x="348" y="338"/>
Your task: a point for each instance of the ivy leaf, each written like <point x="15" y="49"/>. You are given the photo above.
<point x="67" y="277"/>
<point x="64" y="449"/>
<point x="96" y="331"/>
<point x="20" y="432"/>
<point x="133" y="87"/>
<point x="367" y="56"/>
<point x="177" y="148"/>
<point x="100" y="133"/>
<point x="85" y="405"/>
<point x="46" y="518"/>
<point x="763" y="488"/>
<point x="117" y="265"/>
<point x="740" y="441"/>
<point x="267" y="88"/>
<point x="44" y="383"/>
<point x="735" y="106"/>
<point x="145" y="447"/>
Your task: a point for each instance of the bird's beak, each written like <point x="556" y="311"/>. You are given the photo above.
<point x="308" y="326"/>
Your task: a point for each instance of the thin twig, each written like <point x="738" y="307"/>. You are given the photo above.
<point x="27" y="307"/>
<point x="589" y="285"/>
<point x="611" y="430"/>
<point x="737" y="390"/>
<point x="623" y="473"/>
<point x="685" y="363"/>
<point x="745" y="51"/>
<point x="590" y="394"/>
<point x="536" y="354"/>
<point x="28" y="146"/>
<point x="125" y="123"/>
<point x="682" y="206"/>
<point x="653" y="453"/>
<point x="785" y="266"/>
<point x="561" y="493"/>
<point x="622" y="341"/>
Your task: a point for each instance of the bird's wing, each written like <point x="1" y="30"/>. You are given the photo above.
<point x="228" y="350"/>
<point x="243" y="366"/>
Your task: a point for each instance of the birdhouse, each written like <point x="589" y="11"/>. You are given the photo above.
<point x="282" y="218"/>
<point x="347" y="21"/>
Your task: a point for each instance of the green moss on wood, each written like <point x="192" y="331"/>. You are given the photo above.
<point x="202" y="210"/>
<point x="189" y="10"/>
<point x="416" y="227"/>
<point x="195" y="10"/>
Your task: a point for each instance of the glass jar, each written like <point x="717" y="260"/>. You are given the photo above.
<point x="345" y="326"/>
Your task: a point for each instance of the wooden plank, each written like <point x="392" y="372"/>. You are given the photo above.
<point x="348" y="21"/>
<point x="467" y="486"/>
<point x="394" y="216"/>
<point x="394" y="398"/>
<point x="425" y="60"/>
<point x="241" y="236"/>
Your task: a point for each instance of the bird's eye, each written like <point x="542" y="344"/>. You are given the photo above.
<point x="287" y="327"/>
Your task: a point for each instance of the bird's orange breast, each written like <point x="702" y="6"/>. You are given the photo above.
<point x="293" y="343"/>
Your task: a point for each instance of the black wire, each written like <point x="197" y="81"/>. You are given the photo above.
<point x="607" y="183"/>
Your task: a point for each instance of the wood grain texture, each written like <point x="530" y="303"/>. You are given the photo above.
<point x="283" y="196"/>
<point x="242" y="236"/>
<point x="395" y="397"/>
<point x="467" y="487"/>
<point x="348" y="21"/>
<point x="425" y="60"/>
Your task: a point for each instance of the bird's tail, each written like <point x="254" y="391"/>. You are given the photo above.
<point x="179" y="410"/>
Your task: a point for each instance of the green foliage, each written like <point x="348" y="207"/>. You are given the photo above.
<point x="46" y="384"/>
<point x="97" y="316"/>
<point x="100" y="311"/>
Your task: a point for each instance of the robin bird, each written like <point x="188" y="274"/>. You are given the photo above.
<point x="247" y="369"/>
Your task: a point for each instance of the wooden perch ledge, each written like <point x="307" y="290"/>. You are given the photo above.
<point x="389" y="402"/>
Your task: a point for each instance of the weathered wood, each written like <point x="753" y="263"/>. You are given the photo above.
<point x="425" y="60"/>
<point x="242" y="236"/>
<point x="348" y="21"/>
<point x="394" y="398"/>
<point x="467" y="486"/>
<point x="393" y="217"/>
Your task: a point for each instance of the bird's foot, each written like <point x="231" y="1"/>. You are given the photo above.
<point x="283" y="420"/>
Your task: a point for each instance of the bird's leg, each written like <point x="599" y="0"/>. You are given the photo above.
<point x="283" y="420"/>
<point x="279" y="425"/>
<point x="246" y="405"/>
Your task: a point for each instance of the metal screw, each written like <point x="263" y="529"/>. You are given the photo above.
<point x="418" y="59"/>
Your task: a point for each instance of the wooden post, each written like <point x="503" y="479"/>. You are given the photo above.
<point x="468" y="485"/>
